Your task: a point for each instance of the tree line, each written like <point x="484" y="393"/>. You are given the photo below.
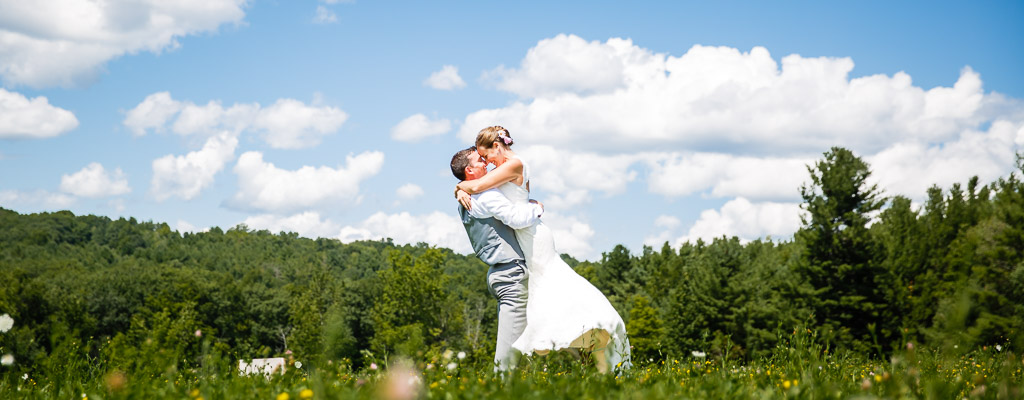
<point x="866" y="272"/>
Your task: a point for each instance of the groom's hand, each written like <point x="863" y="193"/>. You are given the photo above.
<point x="464" y="199"/>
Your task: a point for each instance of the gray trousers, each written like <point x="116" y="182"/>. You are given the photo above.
<point x="508" y="282"/>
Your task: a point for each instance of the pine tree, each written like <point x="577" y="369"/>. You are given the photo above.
<point x="849" y="290"/>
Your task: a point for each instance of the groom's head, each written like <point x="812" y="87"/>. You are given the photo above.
<point x="467" y="164"/>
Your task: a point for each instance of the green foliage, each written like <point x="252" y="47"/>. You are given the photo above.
<point x="91" y="296"/>
<point x="848" y="288"/>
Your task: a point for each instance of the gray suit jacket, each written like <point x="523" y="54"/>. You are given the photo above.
<point x="488" y="226"/>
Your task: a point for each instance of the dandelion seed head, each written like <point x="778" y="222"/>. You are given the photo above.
<point x="6" y="323"/>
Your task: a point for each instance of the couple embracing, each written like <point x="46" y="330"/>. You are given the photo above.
<point x="543" y="305"/>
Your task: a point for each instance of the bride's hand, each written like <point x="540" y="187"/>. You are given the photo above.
<point x="464" y="199"/>
<point x="538" y="203"/>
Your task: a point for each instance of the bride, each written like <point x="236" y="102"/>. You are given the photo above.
<point x="563" y="309"/>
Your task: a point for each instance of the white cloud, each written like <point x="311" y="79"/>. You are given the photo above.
<point x="286" y="124"/>
<point x="910" y="168"/>
<point x="616" y="96"/>
<point x="184" y="226"/>
<point x="152" y="113"/>
<point x="567" y="63"/>
<point x="746" y="220"/>
<point x="437" y="228"/>
<point x="668" y="225"/>
<point x="66" y="43"/>
<point x="725" y="175"/>
<point x="94" y="181"/>
<point x="213" y="118"/>
<point x="290" y="124"/>
<point x="307" y="224"/>
<point x="722" y="123"/>
<point x="22" y="118"/>
<point x="186" y="176"/>
<point x="446" y="79"/>
<point x="572" y="236"/>
<point x="409" y="191"/>
<point x="568" y="177"/>
<point x="324" y="16"/>
<point x="38" y="200"/>
<point x="263" y="186"/>
<point x="667" y="222"/>
<point x="417" y="127"/>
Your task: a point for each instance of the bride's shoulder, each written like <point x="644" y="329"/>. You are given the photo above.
<point x="515" y="162"/>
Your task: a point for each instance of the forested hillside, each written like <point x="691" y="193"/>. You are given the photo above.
<point x="867" y="272"/>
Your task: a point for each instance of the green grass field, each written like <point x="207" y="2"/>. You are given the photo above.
<point x="798" y="369"/>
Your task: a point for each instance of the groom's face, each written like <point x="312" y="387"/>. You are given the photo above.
<point x="477" y="167"/>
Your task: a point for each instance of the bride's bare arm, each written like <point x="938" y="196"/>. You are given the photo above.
<point x="511" y="170"/>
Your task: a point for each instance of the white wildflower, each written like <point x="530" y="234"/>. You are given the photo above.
<point x="373" y="366"/>
<point x="698" y="354"/>
<point x="999" y="348"/>
<point x="461" y="355"/>
<point x="6" y="322"/>
<point x="298" y="364"/>
<point x="7" y="359"/>
<point x="451" y="366"/>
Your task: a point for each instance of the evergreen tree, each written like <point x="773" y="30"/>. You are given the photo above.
<point x="848" y="288"/>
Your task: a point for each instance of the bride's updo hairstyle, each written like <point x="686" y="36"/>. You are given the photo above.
<point x="491" y="134"/>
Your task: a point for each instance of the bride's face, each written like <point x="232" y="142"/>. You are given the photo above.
<point x="492" y="155"/>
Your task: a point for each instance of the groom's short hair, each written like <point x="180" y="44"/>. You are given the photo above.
<point x="460" y="161"/>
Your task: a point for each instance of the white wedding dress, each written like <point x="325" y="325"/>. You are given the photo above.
<point x="563" y="309"/>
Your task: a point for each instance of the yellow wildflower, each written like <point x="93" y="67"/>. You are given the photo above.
<point x="306" y="394"/>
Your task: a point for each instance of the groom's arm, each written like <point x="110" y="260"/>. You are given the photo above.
<point x="492" y="203"/>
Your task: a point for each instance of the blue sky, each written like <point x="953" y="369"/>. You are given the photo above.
<point x="644" y="122"/>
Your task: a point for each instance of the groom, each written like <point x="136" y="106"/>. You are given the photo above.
<point x="490" y="222"/>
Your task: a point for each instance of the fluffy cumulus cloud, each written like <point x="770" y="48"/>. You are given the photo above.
<point x="24" y="118"/>
<point x="571" y="234"/>
<point x="740" y="217"/>
<point x="186" y="176"/>
<point x="290" y="124"/>
<point x="567" y="179"/>
<point x="446" y="79"/>
<point x="910" y="168"/>
<point x="263" y="186"/>
<point x="286" y="124"/>
<point x="727" y="175"/>
<point x="437" y="229"/>
<point x="38" y="200"/>
<point x="94" y="181"/>
<point x="417" y="127"/>
<point x="152" y="113"/>
<point x="184" y="226"/>
<point x="409" y="191"/>
<point x="67" y="42"/>
<point x="616" y="95"/>
<point x="307" y="224"/>
<point x="667" y="225"/>
<point x="739" y="125"/>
